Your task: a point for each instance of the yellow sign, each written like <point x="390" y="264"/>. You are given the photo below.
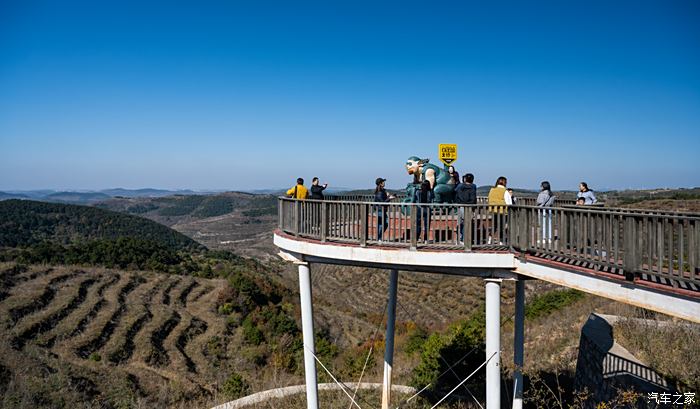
<point x="448" y="153"/>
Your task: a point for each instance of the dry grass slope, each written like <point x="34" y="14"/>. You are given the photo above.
<point x="92" y="336"/>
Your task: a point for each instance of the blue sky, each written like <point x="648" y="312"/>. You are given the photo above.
<point x="226" y="95"/>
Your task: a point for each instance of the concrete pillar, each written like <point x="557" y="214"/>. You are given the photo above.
<point x="307" y="326"/>
<point x="493" y="343"/>
<point x="518" y="344"/>
<point x="389" y="344"/>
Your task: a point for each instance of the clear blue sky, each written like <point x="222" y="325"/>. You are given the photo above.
<point x="221" y="95"/>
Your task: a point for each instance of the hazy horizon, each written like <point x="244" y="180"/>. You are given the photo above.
<point x="391" y="187"/>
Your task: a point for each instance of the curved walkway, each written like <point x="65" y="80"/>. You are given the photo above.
<point x="298" y="389"/>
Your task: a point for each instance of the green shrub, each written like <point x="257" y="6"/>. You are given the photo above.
<point x="325" y="349"/>
<point x="547" y="303"/>
<point x="415" y="340"/>
<point x="354" y="361"/>
<point x="235" y="386"/>
<point x="440" y="351"/>
<point x="251" y="332"/>
<point x="226" y="309"/>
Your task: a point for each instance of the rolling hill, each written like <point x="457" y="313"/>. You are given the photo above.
<point x="26" y="222"/>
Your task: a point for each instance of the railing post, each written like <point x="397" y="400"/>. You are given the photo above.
<point x="630" y="248"/>
<point x="414" y="227"/>
<point x="363" y="224"/>
<point x="512" y="220"/>
<point x="467" y="227"/>
<point x="297" y="217"/>
<point x="324" y="221"/>
<point x="524" y="228"/>
<point x="280" y="214"/>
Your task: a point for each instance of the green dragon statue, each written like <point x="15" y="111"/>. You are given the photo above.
<point x="422" y="169"/>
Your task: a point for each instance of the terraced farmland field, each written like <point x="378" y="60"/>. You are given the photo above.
<point x="105" y="338"/>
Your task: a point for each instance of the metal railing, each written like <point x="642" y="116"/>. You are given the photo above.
<point x="666" y="246"/>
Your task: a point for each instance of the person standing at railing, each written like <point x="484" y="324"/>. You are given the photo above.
<point x="587" y="194"/>
<point x="299" y="191"/>
<point x="424" y="196"/>
<point x="380" y="195"/>
<point x="453" y="181"/>
<point x="465" y="193"/>
<point x="317" y="189"/>
<point x="454" y="176"/>
<point x="513" y="199"/>
<point x="499" y="198"/>
<point x="546" y="199"/>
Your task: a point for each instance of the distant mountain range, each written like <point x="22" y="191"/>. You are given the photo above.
<point x="95" y="196"/>
<point x="90" y="197"/>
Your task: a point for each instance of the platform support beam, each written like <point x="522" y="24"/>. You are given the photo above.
<point x="307" y="325"/>
<point x="493" y="343"/>
<point x="519" y="343"/>
<point x="389" y="345"/>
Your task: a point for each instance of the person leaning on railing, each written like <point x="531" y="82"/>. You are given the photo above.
<point x="380" y="195"/>
<point x="299" y="191"/>
<point x="585" y="193"/>
<point x="546" y="199"/>
<point x="499" y="198"/>
<point x="465" y="193"/>
<point x="424" y="196"/>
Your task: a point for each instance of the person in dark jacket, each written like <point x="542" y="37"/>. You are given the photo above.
<point x="317" y="189"/>
<point x="465" y="193"/>
<point x="424" y="195"/>
<point x="380" y="195"/>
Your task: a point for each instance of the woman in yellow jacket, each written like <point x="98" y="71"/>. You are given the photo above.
<point x="298" y="191"/>
<point x="499" y="198"/>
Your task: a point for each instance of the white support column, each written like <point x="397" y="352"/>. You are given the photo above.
<point x="307" y="325"/>
<point x="518" y="343"/>
<point x="389" y="345"/>
<point x="493" y="343"/>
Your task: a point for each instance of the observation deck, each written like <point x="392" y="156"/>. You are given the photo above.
<point x="650" y="259"/>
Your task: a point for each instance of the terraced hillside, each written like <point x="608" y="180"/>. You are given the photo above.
<point x="236" y="221"/>
<point x="107" y="338"/>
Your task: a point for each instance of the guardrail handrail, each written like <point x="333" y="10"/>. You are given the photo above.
<point x="531" y="200"/>
<point x="664" y="248"/>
